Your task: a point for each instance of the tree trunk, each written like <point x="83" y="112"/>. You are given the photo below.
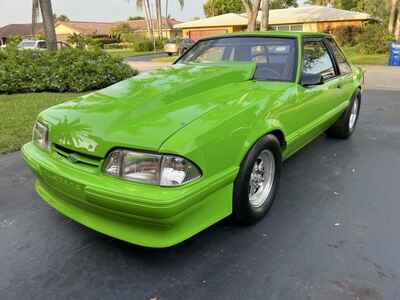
<point x="392" y="16"/>
<point x="252" y="8"/>
<point x="159" y="19"/>
<point x="35" y="13"/>
<point x="48" y="24"/>
<point x="265" y="15"/>
<point x="397" y="28"/>
<point x="149" y="17"/>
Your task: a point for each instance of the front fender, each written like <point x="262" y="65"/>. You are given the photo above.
<point x="259" y="129"/>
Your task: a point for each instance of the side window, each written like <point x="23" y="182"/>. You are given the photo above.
<point x="212" y="55"/>
<point x="42" y="45"/>
<point x="343" y="65"/>
<point x="316" y="60"/>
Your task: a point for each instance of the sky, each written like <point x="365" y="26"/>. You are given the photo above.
<point x="19" y="11"/>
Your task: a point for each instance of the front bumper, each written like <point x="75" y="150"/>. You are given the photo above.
<point x="142" y="214"/>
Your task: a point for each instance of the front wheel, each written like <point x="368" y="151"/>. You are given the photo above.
<point x="257" y="182"/>
<point x="345" y="126"/>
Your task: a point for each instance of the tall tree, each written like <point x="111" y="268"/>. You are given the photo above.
<point x="277" y="4"/>
<point x="214" y="8"/>
<point x="392" y="16"/>
<point x="35" y="15"/>
<point x="397" y="29"/>
<point x="252" y="8"/>
<point x="265" y="15"/>
<point x="48" y="24"/>
<point x="144" y="5"/>
<point x="159" y="19"/>
<point x="61" y="18"/>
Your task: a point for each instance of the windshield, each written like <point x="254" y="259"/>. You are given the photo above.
<point x="26" y="44"/>
<point x="275" y="57"/>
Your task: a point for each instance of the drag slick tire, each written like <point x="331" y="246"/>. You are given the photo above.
<point x="257" y="183"/>
<point x="345" y="126"/>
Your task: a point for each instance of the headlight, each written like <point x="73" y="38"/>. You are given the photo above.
<point x="164" y="170"/>
<point x="40" y="135"/>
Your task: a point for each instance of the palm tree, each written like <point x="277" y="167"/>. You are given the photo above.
<point x="181" y="4"/>
<point x="252" y="8"/>
<point x="48" y="24"/>
<point x="265" y="15"/>
<point x="144" y="5"/>
<point x="35" y="15"/>
<point x="159" y="18"/>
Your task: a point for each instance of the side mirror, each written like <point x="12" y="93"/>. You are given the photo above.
<point x="311" y="79"/>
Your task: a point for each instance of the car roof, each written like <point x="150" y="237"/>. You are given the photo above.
<point x="28" y="40"/>
<point x="292" y="34"/>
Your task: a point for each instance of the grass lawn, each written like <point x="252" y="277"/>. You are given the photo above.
<point x="124" y="53"/>
<point x="18" y="113"/>
<point x="357" y="58"/>
<point x="165" y="59"/>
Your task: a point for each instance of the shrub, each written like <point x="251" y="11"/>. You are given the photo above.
<point x="345" y="35"/>
<point x="69" y="70"/>
<point x="13" y="41"/>
<point x="374" y="38"/>
<point x="102" y="41"/>
<point x="137" y="45"/>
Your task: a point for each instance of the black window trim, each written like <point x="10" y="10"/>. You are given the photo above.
<point x="323" y="40"/>
<point x="328" y="43"/>
<point x="296" y="53"/>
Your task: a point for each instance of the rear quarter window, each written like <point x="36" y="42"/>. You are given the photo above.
<point x="344" y="66"/>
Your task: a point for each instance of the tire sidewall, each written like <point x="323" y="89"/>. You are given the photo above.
<point x="244" y="212"/>
<point x="357" y="97"/>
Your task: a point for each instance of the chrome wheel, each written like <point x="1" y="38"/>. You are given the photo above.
<point x="261" y="178"/>
<point x="353" y="114"/>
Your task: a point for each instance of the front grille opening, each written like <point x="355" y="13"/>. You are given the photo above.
<point x="77" y="157"/>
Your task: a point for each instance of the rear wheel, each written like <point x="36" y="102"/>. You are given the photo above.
<point x="257" y="183"/>
<point x="345" y="126"/>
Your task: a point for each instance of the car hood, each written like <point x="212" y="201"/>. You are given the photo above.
<point x="142" y="112"/>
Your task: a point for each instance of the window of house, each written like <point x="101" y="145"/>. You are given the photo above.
<point x="297" y="27"/>
<point x="316" y="60"/>
<point x="283" y="28"/>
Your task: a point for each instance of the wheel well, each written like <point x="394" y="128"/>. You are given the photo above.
<point x="280" y="136"/>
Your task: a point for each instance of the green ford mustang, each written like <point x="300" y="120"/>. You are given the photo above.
<point x="159" y="157"/>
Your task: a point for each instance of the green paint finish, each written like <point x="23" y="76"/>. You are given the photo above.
<point x="211" y="114"/>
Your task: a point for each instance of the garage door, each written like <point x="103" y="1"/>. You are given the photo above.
<point x="198" y="34"/>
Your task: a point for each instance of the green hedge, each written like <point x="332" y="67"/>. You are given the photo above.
<point x="69" y="70"/>
<point x="143" y="45"/>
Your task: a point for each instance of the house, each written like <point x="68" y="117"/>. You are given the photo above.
<point x="226" y="23"/>
<point x="24" y="30"/>
<point x="64" y="29"/>
<point x="168" y="30"/>
<point x="310" y="18"/>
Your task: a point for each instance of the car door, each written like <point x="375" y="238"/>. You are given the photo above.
<point x="345" y="78"/>
<point x="316" y="102"/>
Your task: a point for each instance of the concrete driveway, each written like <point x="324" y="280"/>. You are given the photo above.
<point x="333" y="232"/>
<point x="145" y="63"/>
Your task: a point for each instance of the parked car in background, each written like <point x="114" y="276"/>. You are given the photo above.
<point x="178" y="47"/>
<point x="32" y="44"/>
<point x="159" y="157"/>
<point x="39" y="45"/>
